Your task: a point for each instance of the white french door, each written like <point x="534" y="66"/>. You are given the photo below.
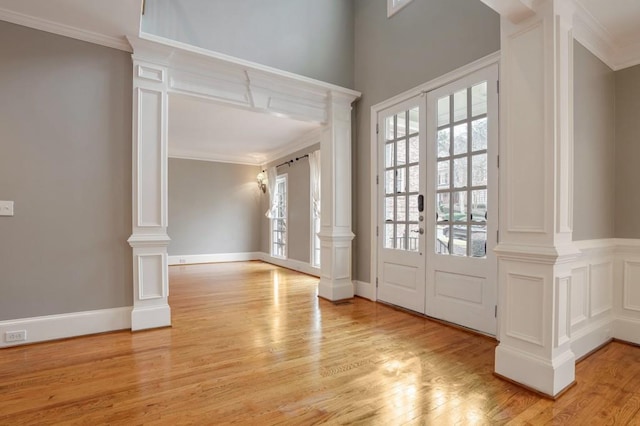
<point x="438" y="202"/>
<point x="401" y="188"/>
<point x="462" y="206"/>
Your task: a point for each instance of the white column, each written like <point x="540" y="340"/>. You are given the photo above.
<point x="149" y="239"/>
<point x="335" y="233"/>
<point x="536" y="192"/>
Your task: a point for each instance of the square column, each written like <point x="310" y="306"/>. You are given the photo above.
<point x="536" y="198"/>
<point x="149" y="239"/>
<point x="335" y="217"/>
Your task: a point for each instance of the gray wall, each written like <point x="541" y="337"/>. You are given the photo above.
<point x="594" y="142"/>
<point x="424" y="40"/>
<point x="65" y="159"/>
<point x="213" y="207"/>
<point x="308" y="37"/>
<point x="627" y="224"/>
<point x="299" y="226"/>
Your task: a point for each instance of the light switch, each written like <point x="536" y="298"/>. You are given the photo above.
<point x="6" y="208"/>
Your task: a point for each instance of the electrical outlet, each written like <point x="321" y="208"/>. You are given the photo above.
<point x="6" y="208"/>
<point x="15" y="336"/>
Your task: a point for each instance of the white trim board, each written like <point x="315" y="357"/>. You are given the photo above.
<point x="627" y="329"/>
<point x="192" y="259"/>
<point x="292" y="264"/>
<point x="365" y="290"/>
<point x="119" y="43"/>
<point x="52" y="327"/>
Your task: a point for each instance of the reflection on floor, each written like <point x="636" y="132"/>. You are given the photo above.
<point x="251" y="343"/>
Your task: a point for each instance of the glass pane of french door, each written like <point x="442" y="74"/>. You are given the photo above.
<point x="461" y="183"/>
<point x="401" y="180"/>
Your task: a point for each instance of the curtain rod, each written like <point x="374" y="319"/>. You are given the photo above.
<point x="290" y="162"/>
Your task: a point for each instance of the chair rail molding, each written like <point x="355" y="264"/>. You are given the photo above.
<point x="162" y="67"/>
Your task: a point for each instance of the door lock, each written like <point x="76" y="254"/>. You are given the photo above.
<point x="421" y="218"/>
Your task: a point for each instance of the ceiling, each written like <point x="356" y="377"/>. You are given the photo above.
<point x="203" y="129"/>
<point x="199" y="128"/>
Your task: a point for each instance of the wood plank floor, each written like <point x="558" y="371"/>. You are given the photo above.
<point x="252" y="344"/>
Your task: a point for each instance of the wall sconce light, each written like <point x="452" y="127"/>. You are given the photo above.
<point x="261" y="185"/>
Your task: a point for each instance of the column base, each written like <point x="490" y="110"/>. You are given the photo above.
<point x="150" y="317"/>
<point x="549" y="377"/>
<point x="335" y="290"/>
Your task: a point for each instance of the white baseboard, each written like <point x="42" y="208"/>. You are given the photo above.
<point x="364" y="289"/>
<point x="150" y="317"/>
<point x="52" y="327"/>
<point x="590" y="338"/>
<point x="627" y="329"/>
<point x="296" y="265"/>
<point x="550" y="378"/>
<point x="189" y="259"/>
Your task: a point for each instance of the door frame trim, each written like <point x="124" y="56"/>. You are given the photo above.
<point x="491" y="59"/>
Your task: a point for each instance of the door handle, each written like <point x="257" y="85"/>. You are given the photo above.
<point x="421" y="231"/>
<point x="420" y="203"/>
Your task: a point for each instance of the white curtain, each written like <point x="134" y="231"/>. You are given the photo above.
<point x="314" y="170"/>
<point x="272" y="175"/>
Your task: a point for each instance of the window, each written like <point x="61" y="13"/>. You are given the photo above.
<point x="393" y="6"/>
<point x="314" y="190"/>
<point x="315" y="241"/>
<point x="279" y="219"/>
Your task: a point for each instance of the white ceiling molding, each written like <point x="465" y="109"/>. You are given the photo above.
<point x="627" y="56"/>
<point x="514" y="10"/>
<point x="41" y="24"/>
<point x="599" y="41"/>
<point x="221" y="77"/>
<point x="241" y="85"/>
<point x="310" y="139"/>
<point x="298" y="144"/>
<point x="217" y="158"/>
<point x="394" y="6"/>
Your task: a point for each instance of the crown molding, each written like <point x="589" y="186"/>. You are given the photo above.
<point x="214" y="157"/>
<point x="595" y="37"/>
<point x="41" y="24"/>
<point x="308" y="139"/>
<point x="628" y="56"/>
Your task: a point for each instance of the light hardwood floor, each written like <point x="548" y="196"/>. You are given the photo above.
<point x="252" y="344"/>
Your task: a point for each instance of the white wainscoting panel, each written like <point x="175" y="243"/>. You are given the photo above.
<point x="579" y="297"/>
<point x="600" y="287"/>
<point x="596" y="281"/>
<point x="631" y="287"/>
<point x="149" y="202"/>
<point x="525" y="152"/>
<point x="525" y="295"/>
<point x="150" y="271"/>
<point x="52" y="327"/>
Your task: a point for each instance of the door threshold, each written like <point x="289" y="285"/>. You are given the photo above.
<point x="440" y="321"/>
